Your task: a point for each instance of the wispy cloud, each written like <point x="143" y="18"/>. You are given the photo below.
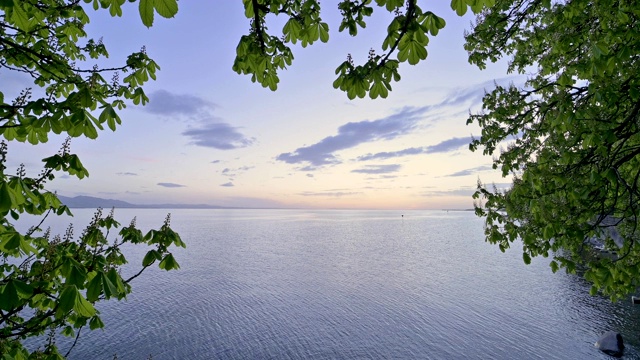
<point x="378" y="169"/>
<point x="221" y="136"/>
<point x="126" y="174"/>
<point x="229" y="184"/>
<point x="170" y="185"/>
<point x="442" y="147"/>
<point x="469" y="95"/>
<point x="387" y="177"/>
<point x="472" y="95"/>
<point x="448" y="145"/>
<point x="308" y="168"/>
<point x="162" y="102"/>
<point x="233" y="172"/>
<point x="336" y="194"/>
<point x="392" y="154"/>
<point x="215" y="161"/>
<point x="464" y="191"/>
<point x="472" y="171"/>
<point x="353" y="134"/>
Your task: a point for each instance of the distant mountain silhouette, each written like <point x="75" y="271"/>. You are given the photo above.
<point x="94" y="202"/>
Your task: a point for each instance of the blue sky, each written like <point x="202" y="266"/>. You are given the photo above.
<point x="212" y="136"/>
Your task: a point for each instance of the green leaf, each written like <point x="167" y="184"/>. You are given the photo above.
<point x="21" y="18"/>
<point x="5" y="198"/>
<point x="77" y="276"/>
<point x="96" y="323"/>
<point x="166" y="8"/>
<point x="150" y="257"/>
<point x="67" y="299"/>
<point x="112" y="284"/>
<point x="168" y="263"/>
<point x="10" y="241"/>
<point x="68" y="331"/>
<point x="110" y="289"/>
<point x="9" y="298"/>
<point x="324" y="32"/>
<point x="24" y="290"/>
<point x="95" y="287"/>
<point x="146" y="12"/>
<point x="82" y="307"/>
<point x="460" y="6"/>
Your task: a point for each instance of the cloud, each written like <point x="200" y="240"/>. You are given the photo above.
<point x="211" y="131"/>
<point x="353" y="134"/>
<point x="221" y="136"/>
<point x="233" y="172"/>
<point x="170" y="185"/>
<point x="442" y="147"/>
<point x="162" y="102"/>
<point x="461" y="96"/>
<point x="472" y="171"/>
<point x="329" y="194"/>
<point x="215" y="161"/>
<point x="310" y="175"/>
<point x="448" y="145"/>
<point x="126" y="174"/>
<point x="392" y="154"/>
<point x="473" y="95"/>
<point x="308" y="168"/>
<point x="229" y="184"/>
<point x="465" y="191"/>
<point x="378" y="169"/>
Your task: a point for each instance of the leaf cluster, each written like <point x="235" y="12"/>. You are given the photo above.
<point x="50" y="283"/>
<point x="570" y="137"/>
<point x="261" y="55"/>
<point x="44" y="40"/>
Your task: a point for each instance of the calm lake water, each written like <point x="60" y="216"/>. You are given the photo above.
<point x="302" y="284"/>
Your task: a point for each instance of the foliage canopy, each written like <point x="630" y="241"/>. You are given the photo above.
<point x="570" y="136"/>
<point x="49" y="283"/>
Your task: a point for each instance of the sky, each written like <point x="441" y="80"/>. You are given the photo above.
<point x="211" y="136"/>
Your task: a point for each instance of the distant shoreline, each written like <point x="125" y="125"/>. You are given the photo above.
<point x="91" y="202"/>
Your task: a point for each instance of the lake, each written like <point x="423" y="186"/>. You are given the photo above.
<point x="347" y="284"/>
